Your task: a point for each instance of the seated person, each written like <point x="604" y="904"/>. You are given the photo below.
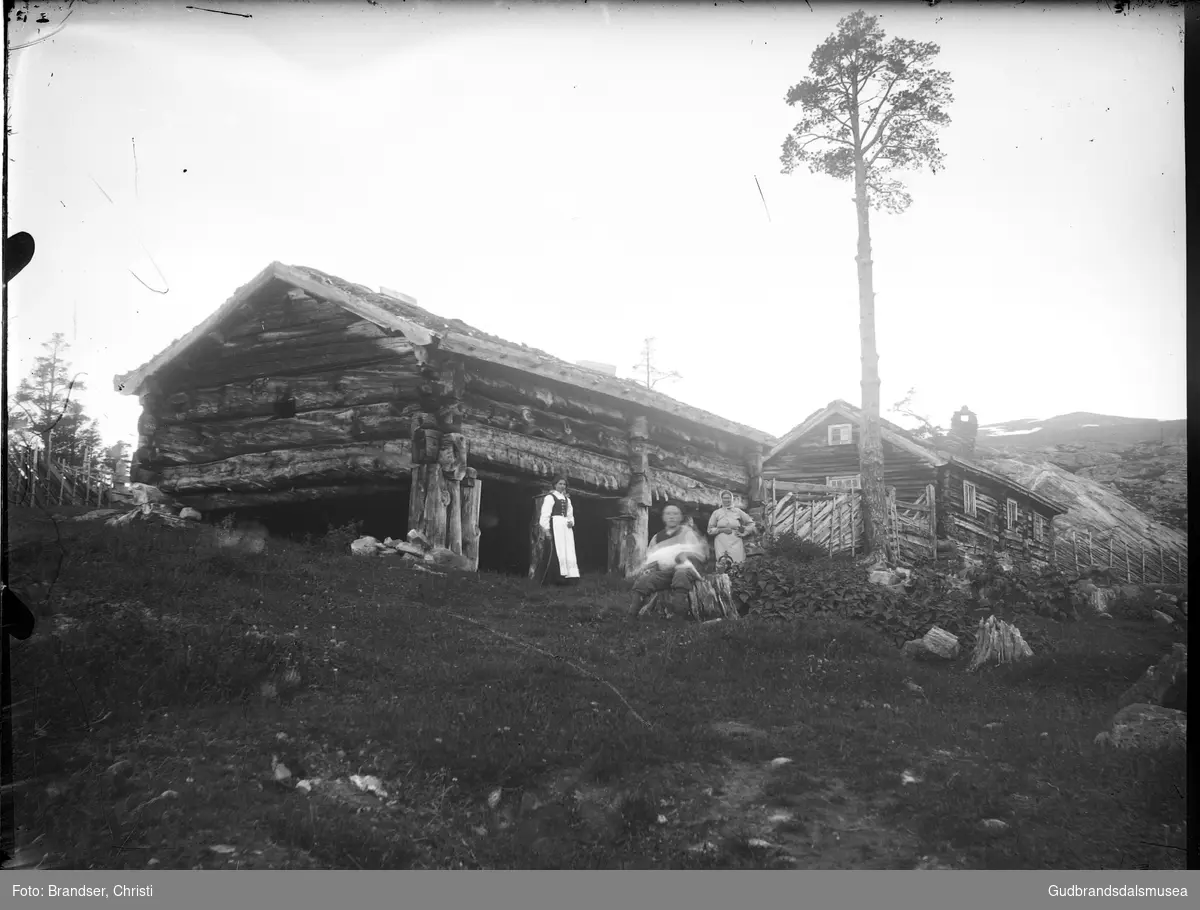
<point x="673" y="562"/>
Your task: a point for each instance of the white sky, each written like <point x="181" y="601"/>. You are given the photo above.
<point x="580" y="177"/>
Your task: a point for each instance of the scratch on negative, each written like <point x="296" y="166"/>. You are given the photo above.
<point x="205" y="9"/>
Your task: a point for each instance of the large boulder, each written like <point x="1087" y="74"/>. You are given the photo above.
<point x="937" y="644"/>
<point x="365" y="546"/>
<point x="1165" y="683"/>
<point x="1140" y="726"/>
<point x="144" y="493"/>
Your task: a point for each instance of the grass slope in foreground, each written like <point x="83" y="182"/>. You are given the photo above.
<point x="167" y="679"/>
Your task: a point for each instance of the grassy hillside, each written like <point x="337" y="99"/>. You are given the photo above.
<point x="168" y="681"/>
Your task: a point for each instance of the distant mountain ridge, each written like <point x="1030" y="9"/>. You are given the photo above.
<point x="1082" y="427"/>
<point x="1078" y="456"/>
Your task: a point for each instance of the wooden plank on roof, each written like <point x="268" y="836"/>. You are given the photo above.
<point x="416" y="334"/>
<point x="560" y="371"/>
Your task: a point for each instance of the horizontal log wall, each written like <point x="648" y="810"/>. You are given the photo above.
<point x="811" y="459"/>
<point x="296" y="398"/>
<point x="280" y="336"/>
<point x="395" y="378"/>
<point x="191" y="443"/>
<point x="988" y="530"/>
<point x="500" y="384"/>
<point x="287" y="468"/>
<point x="544" y="458"/>
<point x="219" y="500"/>
<point x="709" y="468"/>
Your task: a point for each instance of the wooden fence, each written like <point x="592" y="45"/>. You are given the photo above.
<point x="33" y="482"/>
<point x="1135" y="561"/>
<point x="912" y="526"/>
<point x="833" y="521"/>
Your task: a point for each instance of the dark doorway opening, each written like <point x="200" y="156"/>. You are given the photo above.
<point x="383" y="514"/>
<point x="591" y="534"/>
<point x="505" y="513"/>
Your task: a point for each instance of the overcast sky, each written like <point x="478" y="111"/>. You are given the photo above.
<point x="580" y="177"/>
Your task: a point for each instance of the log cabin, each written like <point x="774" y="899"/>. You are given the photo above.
<point x="305" y="400"/>
<point x="980" y="510"/>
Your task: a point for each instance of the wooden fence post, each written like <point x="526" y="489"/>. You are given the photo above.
<point x="1128" y="564"/>
<point x="853" y="528"/>
<point x="1075" y="546"/>
<point x="931" y="501"/>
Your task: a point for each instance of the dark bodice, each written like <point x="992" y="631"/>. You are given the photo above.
<point x="560" y="506"/>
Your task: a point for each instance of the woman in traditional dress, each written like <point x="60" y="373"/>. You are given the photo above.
<point x="557" y="565"/>
<point x="729" y="525"/>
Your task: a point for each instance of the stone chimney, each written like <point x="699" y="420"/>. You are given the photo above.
<point x="964" y="428"/>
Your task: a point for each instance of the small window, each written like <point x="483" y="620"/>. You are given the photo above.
<point x="1039" y="527"/>
<point x="845" y="482"/>
<point x="1013" y="513"/>
<point x="841" y="434"/>
<point x="968" y="498"/>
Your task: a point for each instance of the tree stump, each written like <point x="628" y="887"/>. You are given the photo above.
<point x="711" y="598"/>
<point x="1000" y="642"/>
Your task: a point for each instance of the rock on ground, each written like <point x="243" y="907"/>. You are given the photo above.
<point x="1164" y="683"/>
<point x="937" y="644"/>
<point x="1146" y="727"/>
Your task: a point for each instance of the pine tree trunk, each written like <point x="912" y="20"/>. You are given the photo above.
<point x="870" y="447"/>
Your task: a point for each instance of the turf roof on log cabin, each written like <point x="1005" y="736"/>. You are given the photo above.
<point x="429" y="333"/>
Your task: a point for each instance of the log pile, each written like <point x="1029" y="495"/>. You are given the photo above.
<point x="998" y="642"/>
<point x="711" y="598"/>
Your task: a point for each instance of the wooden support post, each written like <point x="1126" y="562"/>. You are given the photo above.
<point x="1128" y="564"/>
<point x="631" y="529"/>
<point x="426" y="510"/>
<point x="1162" y="566"/>
<point x="1142" y="577"/>
<point x="472" y="494"/>
<point x="1178" y="569"/>
<point x="1075" y="547"/>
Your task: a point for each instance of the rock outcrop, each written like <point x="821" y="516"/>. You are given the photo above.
<point x="1163" y="684"/>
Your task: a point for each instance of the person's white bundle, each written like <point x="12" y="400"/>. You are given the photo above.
<point x="669" y="555"/>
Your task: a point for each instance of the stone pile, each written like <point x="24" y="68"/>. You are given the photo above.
<point x="415" y="551"/>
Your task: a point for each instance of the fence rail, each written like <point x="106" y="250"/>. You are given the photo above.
<point x="1135" y="561"/>
<point x="834" y="521"/>
<point x="32" y="481"/>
